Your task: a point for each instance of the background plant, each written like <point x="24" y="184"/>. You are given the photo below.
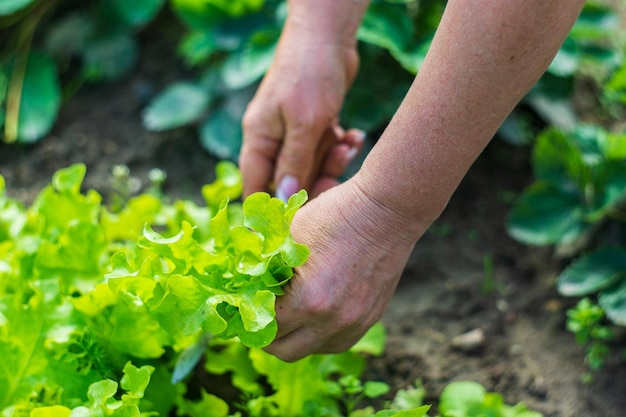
<point x="229" y="46"/>
<point x="577" y="201"/>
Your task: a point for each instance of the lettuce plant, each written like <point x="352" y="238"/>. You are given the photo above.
<point x="115" y="312"/>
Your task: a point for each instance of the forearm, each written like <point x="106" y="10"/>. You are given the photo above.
<point x="326" y="21"/>
<point x="483" y="60"/>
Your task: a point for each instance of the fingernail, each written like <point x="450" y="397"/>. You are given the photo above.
<point x="351" y="154"/>
<point x="360" y="135"/>
<point x="287" y="187"/>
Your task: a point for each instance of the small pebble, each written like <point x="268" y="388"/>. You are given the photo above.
<point x="470" y="341"/>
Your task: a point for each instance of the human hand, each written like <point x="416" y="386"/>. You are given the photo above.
<point x="358" y="250"/>
<point x="291" y="137"/>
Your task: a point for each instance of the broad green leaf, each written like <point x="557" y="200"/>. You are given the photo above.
<point x="614" y="146"/>
<point x="248" y="65"/>
<point x="196" y="47"/>
<point x="556" y="159"/>
<point x="615" y="88"/>
<point x="566" y="61"/>
<point x="61" y="202"/>
<point x="133" y="331"/>
<point x="227" y="185"/>
<point x="233" y="357"/>
<point x="180" y="104"/>
<point x="110" y="55"/>
<point x="373" y="342"/>
<point x="545" y="215"/>
<point x="595" y="22"/>
<point x="209" y="405"/>
<point x="198" y="15"/>
<point x="374" y="389"/>
<point x="613" y="301"/>
<point x="413" y="57"/>
<point x="40" y="99"/>
<point x="51" y="411"/>
<point x="418" y="412"/>
<point x="71" y="257"/>
<point x="593" y="272"/>
<point x="256" y="307"/>
<point x="68" y="35"/>
<point x="221" y="133"/>
<point x="238" y="7"/>
<point x="8" y="7"/>
<point x="556" y="111"/>
<point x="458" y="398"/>
<point x="291" y="391"/>
<point x="266" y="215"/>
<point x="386" y="25"/>
<point x="138" y="12"/>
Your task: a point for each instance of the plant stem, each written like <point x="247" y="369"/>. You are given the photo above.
<point x="18" y="75"/>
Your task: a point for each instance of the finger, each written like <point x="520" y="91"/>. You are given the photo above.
<point x="262" y="133"/>
<point x="256" y="161"/>
<point x="296" y="345"/>
<point x="343" y="153"/>
<point x="323" y="184"/>
<point x="302" y="148"/>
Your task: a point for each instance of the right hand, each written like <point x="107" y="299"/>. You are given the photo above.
<point x="286" y="140"/>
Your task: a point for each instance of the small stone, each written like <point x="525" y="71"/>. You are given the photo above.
<point x="470" y="341"/>
<point x="516" y="350"/>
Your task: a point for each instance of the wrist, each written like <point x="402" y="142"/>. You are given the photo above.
<point x="328" y="22"/>
<point x="382" y="216"/>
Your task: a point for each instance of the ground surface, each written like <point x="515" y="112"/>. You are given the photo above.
<point x="526" y="355"/>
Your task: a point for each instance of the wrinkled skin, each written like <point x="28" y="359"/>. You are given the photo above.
<point x="285" y="124"/>
<point x="322" y="311"/>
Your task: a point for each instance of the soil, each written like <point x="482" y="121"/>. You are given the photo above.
<point x="465" y="274"/>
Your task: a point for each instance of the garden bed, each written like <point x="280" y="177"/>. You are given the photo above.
<point x="465" y="274"/>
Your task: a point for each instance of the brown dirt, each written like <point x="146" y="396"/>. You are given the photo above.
<point x="527" y="355"/>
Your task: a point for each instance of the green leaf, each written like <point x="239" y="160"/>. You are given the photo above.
<point x="40" y="99"/>
<point x="68" y="35"/>
<point x="221" y="133"/>
<point x="458" y="398"/>
<point x="613" y="301"/>
<point x="593" y="272"/>
<point x="413" y="57"/>
<point x="110" y="55"/>
<point x="374" y="389"/>
<point x="136" y="380"/>
<point x="138" y="12"/>
<point x="196" y="47"/>
<point x="386" y="25"/>
<point x="180" y="104"/>
<point x="227" y="185"/>
<point x="373" y="342"/>
<point x="198" y="15"/>
<point x="209" y="405"/>
<point x="566" y="61"/>
<point x="595" y="22"/>
<point x="417" y="412"/>
<point x="268" y="216"/>
<point x="558" y="160"/>
<point x="545" y="215"/>
<point x="51" y="411"/>
<point x="291" y="391"/>
<point x="248" y="65"/>
<point x="615" y="88"/>
<point x="8" y="7"/>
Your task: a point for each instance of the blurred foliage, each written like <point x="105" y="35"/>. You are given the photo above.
<point x="228" y="45"/>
